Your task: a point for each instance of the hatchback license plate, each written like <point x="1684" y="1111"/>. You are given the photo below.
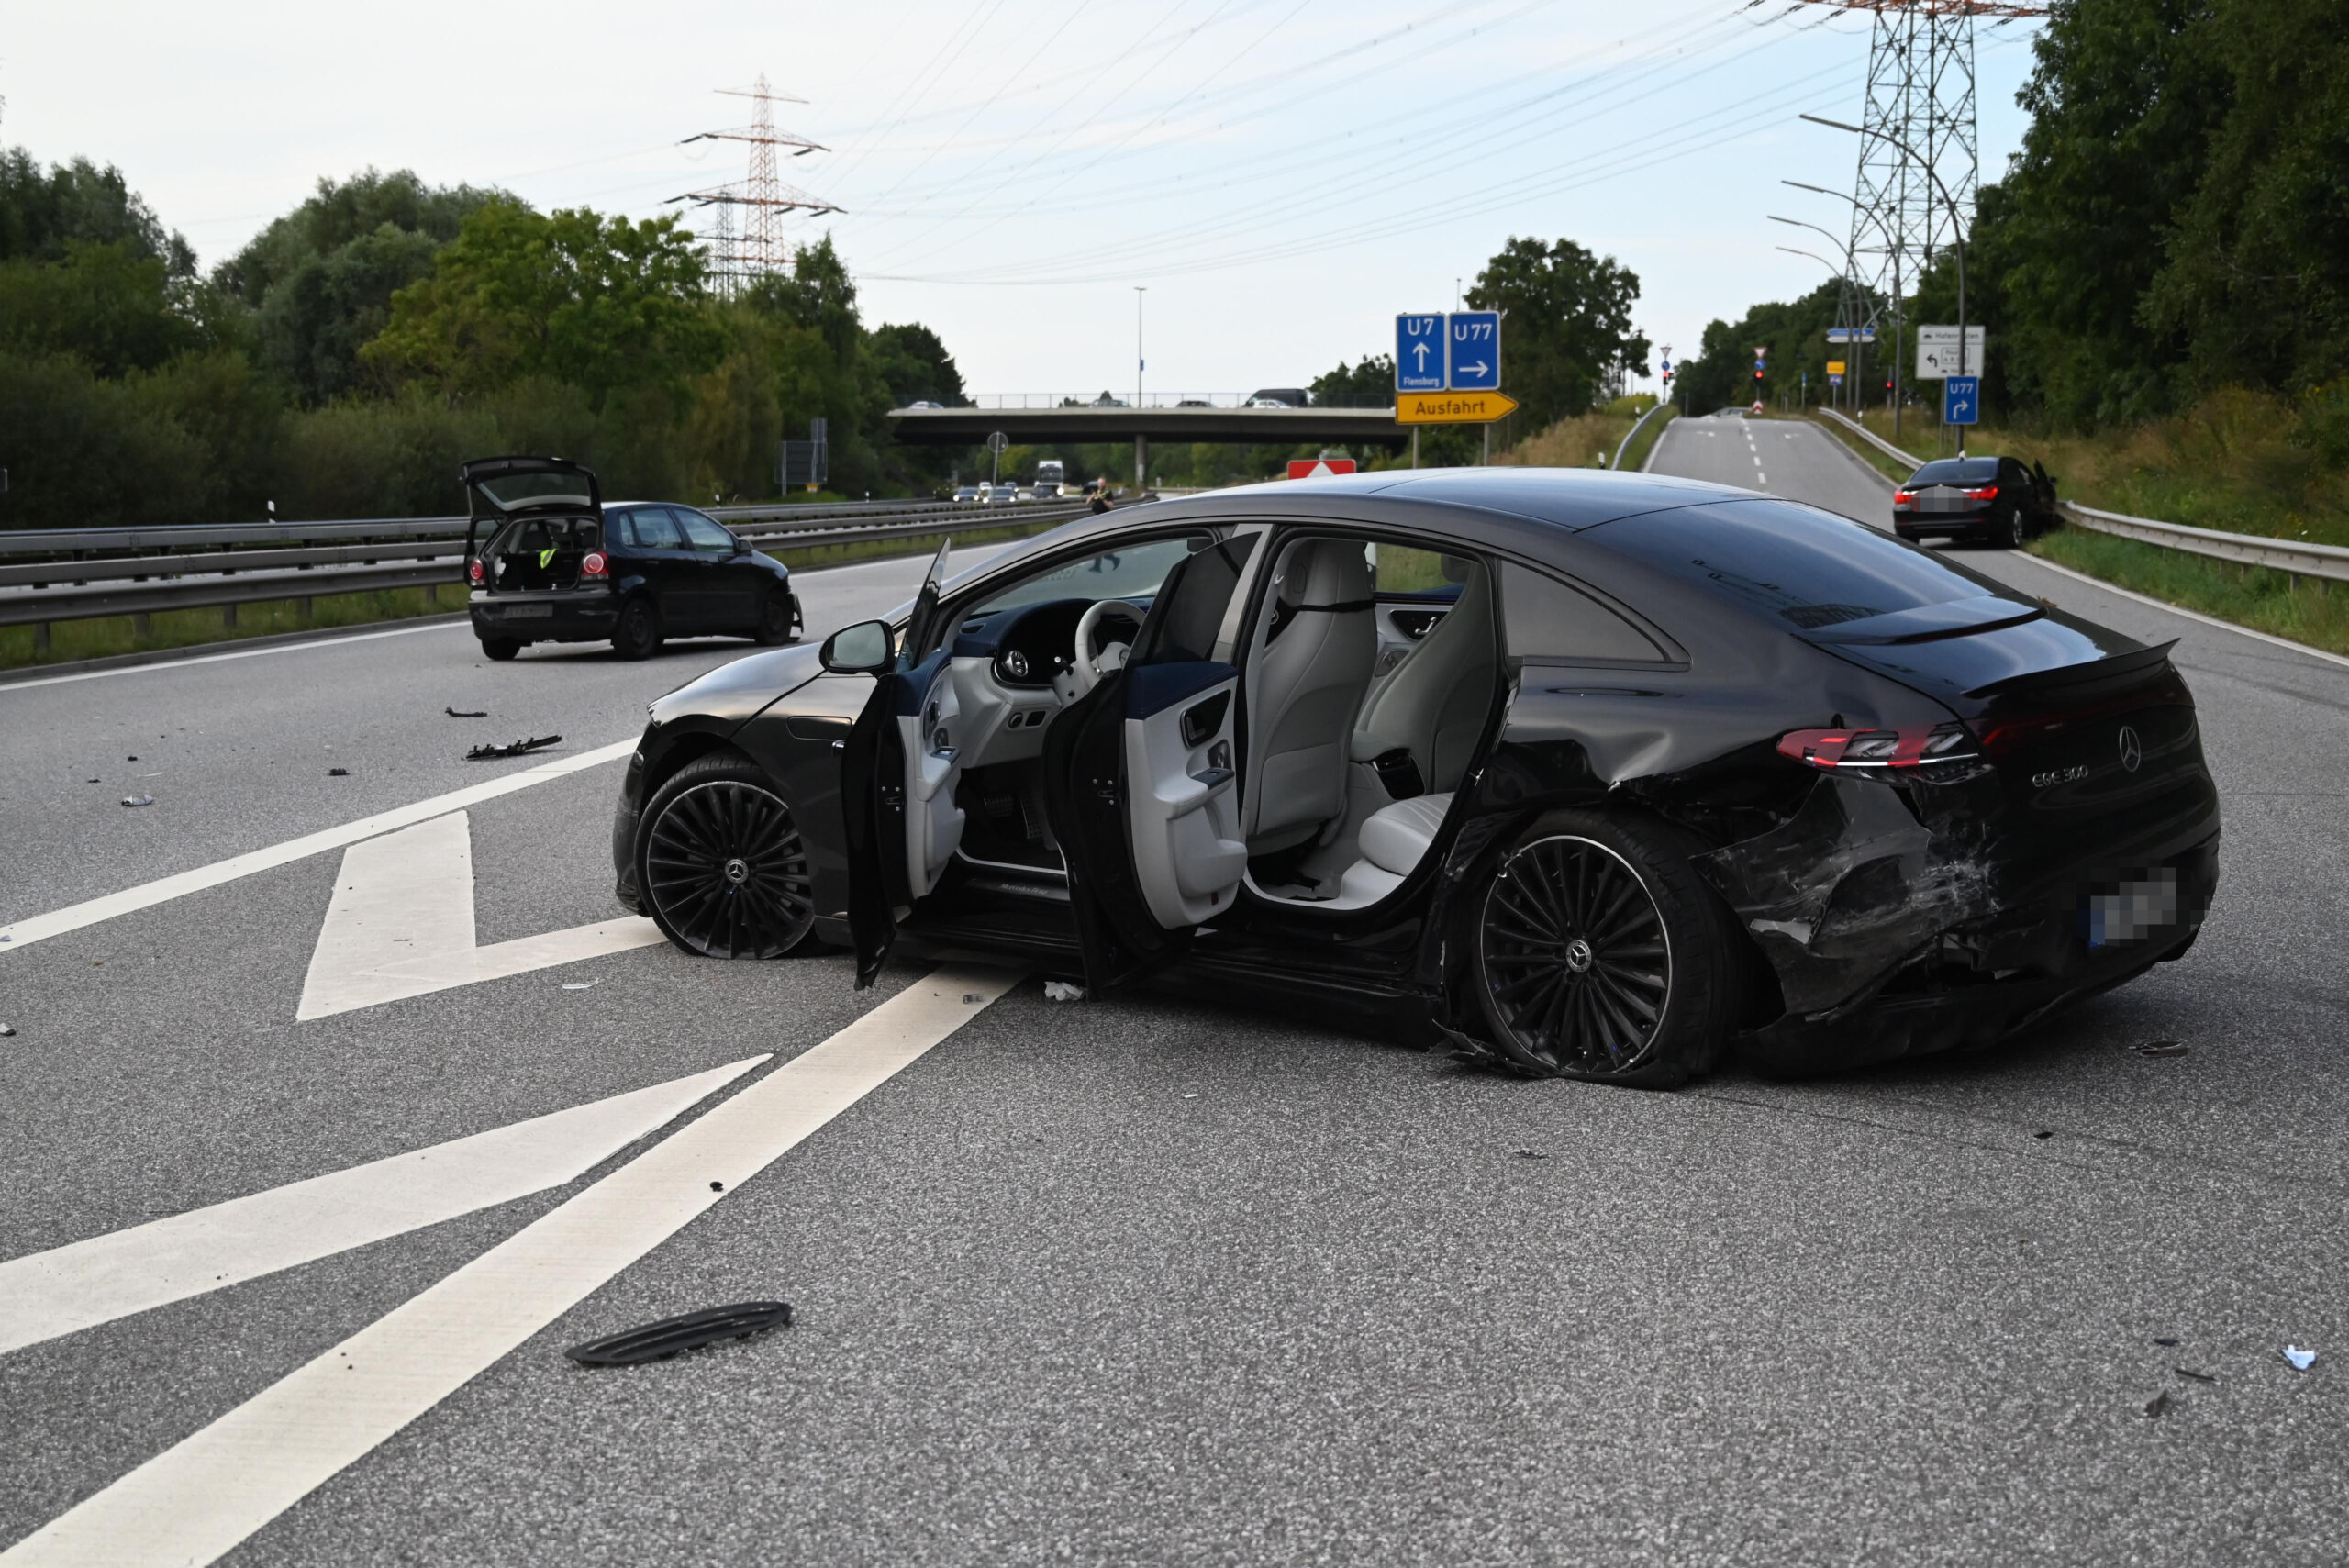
<point x="528" y="612"/>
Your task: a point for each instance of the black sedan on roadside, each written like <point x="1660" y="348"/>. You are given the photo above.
<point x="1590" y="773"/>
<point x="1987" y="500"/>
<point x="550" y="561"/>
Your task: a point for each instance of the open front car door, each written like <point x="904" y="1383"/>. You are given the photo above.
<point x="1140" y="779"/>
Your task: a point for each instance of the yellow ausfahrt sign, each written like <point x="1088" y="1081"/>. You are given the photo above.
<point x="1451" y="407"/>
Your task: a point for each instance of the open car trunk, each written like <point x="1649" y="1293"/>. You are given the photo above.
<point x="536" y="553"/>
<point x="539" y="517"/>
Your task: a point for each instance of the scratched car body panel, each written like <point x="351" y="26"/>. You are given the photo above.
<point x="1594" y="773"/>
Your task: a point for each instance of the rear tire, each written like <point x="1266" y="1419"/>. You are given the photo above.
<point x="638" y="636"/>
<point x="500" y="648"/>
<point x="1600" y="955"/>
<point x="775" y="620"/>
<point x="720" y="864"/>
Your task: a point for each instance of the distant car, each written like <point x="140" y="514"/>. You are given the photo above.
<point x="1279" y="398"/>
<point x="997" y="494"/>
<point x="1195" y="402"/>
<point x="1106" y="401"/>
<point x="1023" y="494"/>
<point x="966" y="493"/>
<point x="550" y="561"/>
<point x="925" y="403"/>
<point x="1993" y="500"/>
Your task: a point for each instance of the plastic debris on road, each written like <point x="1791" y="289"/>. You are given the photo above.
<point x="2158" y="1048"/>
<point x="513" y="748"/>
<point x="2159" y="1403"/>
<point x="658" y="1341"/>
<point x="1062" y="991"/>
<point x="1531" y="1154"/>
<point x="2197" y="1376"/>
<point x="7" y="1029"/>
<point x="337" y="772"/>
<point x="2299" y="1357"/>
<point x="138" y="800"/>
<point x="580" y="984"/>
<point x="459" y="713"/>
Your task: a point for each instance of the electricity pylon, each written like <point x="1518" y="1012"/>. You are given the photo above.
<point x="760" y="248"/>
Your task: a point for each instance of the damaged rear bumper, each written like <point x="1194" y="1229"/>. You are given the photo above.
<point x="1889" y="940"/>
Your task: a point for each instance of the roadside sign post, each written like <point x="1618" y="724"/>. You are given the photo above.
<point x="1472" y="350"/>
<point x="1938" y="349"/>
<point x="1319" y="467"/>
<point x="996" y="441"/>
<point x="1962" y="400"/>
<point x="1452" y="407"/>
<point x="1418" y="353"/>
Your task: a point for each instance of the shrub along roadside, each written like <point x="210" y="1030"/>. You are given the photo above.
<point x="2306" y="610"/>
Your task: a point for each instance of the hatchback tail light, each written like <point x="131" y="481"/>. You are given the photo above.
<point x="474" y="573"/>
<point x="593" y="567"/>
<point x="1860" y="750"/>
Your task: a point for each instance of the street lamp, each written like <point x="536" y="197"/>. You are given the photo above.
<point x="1850" y="268"/>
<point x="1859" y="348"/>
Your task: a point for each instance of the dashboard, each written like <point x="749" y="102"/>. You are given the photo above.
<point x="1011" y="672"/>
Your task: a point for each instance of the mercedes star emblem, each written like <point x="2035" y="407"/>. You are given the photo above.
<point x="2132" y="750"/>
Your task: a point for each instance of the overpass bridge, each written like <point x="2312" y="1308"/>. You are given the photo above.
<point x="1171" y="416"/>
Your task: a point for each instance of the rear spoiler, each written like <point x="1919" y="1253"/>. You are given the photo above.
<point x="2089" y="680"/>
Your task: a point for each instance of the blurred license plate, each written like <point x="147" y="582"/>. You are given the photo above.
<point x="528" y="612"/>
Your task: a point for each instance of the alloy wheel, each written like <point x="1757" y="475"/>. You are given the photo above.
<point x="725" y="867"/>
<point x="1575" y="954"/>
<point x="2017" y="530"/>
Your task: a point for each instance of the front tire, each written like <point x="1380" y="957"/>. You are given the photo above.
<point x="2017" y="530"/>
<point x="775" y="620"/>
<point x="500" y="648"/>
<point x="638" y="636"/>
<point x="1600" y="955"/>
<point x="721" y="864"/>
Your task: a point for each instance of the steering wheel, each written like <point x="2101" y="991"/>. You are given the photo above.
<point x="1088" y="666"/>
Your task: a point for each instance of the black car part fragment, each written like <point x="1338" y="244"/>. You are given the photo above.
<point x="485" y="751"/>
<point x="658" y="1341"/>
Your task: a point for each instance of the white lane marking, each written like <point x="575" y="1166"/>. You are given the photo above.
<point x="241" y="653"/>
<point x="198" y="1499"/>
<point x="85" y="1283"/>
<point x="2329" y="657"/>
<point x="40" y="927"/>
<point x="1760" y="477"/>
<point x="401" y="924"/>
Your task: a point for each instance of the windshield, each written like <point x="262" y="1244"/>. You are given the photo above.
<point x="1957" y="471"/>
<point x="1792" y="562"/>
<point x="1133" y="572"/>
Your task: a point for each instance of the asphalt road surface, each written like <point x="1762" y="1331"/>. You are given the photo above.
<point x="1135" y="1280"/>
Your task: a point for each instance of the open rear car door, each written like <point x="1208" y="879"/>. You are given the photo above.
<point x="897" y="777"/>
<point x="1142" y="782"/>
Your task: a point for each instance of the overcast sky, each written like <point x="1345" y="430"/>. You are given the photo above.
<point x="1282" y="175"/>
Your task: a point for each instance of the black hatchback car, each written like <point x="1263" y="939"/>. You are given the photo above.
<point x="1989" y="500"/>
<point x="1591" y="773"/>
<point x="550" y="561"/>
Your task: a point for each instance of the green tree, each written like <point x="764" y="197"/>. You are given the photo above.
<point x="1569" y="324"/>
<point x="42" y="215"/>
<point x="1364" y="386"/>
<point x="105" y="304"/>
<point x="606" y="305"/>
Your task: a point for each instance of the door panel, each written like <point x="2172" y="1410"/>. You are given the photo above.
<point x="1183" y="796"/>
<point x="930" y="740"/>
<point x="737" y="584"/>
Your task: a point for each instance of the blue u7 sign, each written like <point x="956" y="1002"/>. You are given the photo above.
<point x="1418" y="353"/>
<point x="1472" y="345"/>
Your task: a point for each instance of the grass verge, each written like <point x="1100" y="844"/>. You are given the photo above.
<point x="2305" y="610"/>
<point x="1637" y="453"/>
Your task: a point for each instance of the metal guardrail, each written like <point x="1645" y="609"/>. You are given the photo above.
<point x="2328" y="560"/>
<point x="1633" y="433"/>
<point x="82" y="586"/>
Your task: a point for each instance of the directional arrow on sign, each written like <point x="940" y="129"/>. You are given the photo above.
<point x="401" y="924"/>
<point x="1479" y="368"/>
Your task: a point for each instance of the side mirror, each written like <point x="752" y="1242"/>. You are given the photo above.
<point x="868" y="648"/>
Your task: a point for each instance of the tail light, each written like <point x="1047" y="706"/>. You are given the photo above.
<point x="594" y="566"/>
<point x="1878" y="750"/>
<point x="474" y="573"/>
<point x="1904" y="498"/>
<point x="1986" y="493"/>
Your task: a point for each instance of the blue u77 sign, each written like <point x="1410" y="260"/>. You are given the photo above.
<point x="1418" y="353"/>
<point x="1473" y="344"/>
<point x="1962" y="400"/>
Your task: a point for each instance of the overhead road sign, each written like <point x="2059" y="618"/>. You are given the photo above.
<point x="1452" y="407"/>
<point x="1834" y="367"/>
<point x="1937" y="353"/>
<point x="1962" y="400"/>
<point x="1319" y="467"/>
<point x="1851" y="334"/>
<point x="1418" y="353"/>
<point x="1472" y="348"/>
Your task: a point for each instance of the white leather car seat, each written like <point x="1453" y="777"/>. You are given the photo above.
<point x="1394" y="841"/>
<point x="1435" y="703"/>
<point x="1309" y="682"/>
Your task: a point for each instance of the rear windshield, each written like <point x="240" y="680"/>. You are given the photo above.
<point x="1957" y="471"/>
<point x="540" y="552"/>
<point x="1801" y="566"/>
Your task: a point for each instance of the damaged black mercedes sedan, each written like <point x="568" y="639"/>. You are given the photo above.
<point x="1593" y="774"/>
